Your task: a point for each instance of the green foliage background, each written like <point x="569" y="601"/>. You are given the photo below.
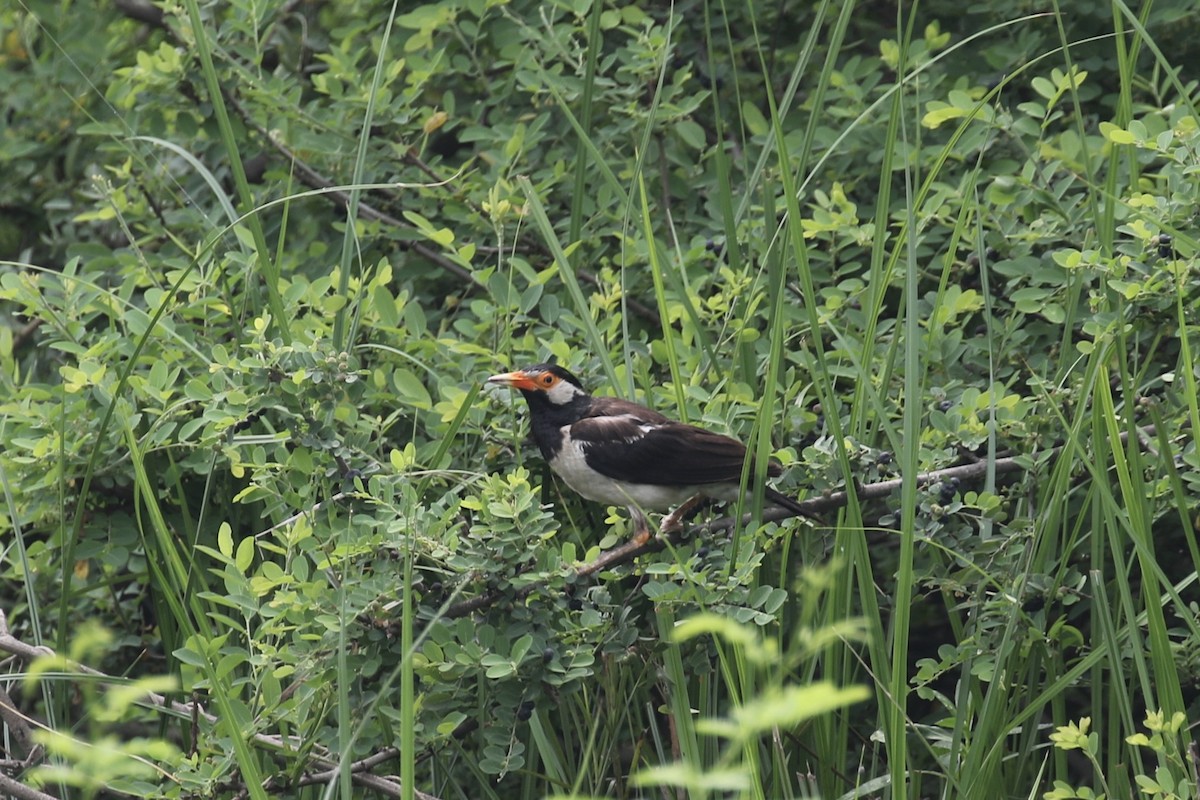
<point x="258" y="259"/>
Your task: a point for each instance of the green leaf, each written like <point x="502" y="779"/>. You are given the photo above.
<point x="1147" y="784"/>
<point x="410" y="390"/>
<point x="939" y="112"/>
<point x="692" y="134"/>
<point x="1116" y="134"/>
<point x="788" y="707"/>
<point x="188" y="656"/>
<point x="225" y="539"/>
<point x="696" y="781"/>
<point x="520" y="648"/>
<point x="245" y="554"/>
<point x="1044" y="87"/>
<point x="754" y="120"/>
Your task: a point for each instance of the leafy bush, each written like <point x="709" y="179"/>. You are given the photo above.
<point x="260" y="260"/>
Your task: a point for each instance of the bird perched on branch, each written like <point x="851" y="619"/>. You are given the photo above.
<point x="619" y="453"/>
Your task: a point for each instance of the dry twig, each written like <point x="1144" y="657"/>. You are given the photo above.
<point x="325" y="761"/>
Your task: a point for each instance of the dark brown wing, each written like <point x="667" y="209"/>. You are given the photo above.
<point x="625" y="441"/>
<point x="616" y="407"/>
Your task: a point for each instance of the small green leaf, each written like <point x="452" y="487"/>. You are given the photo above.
<point x="384" y="306"/>
<point x="500" y="671"/>
<point x="225" y="539"/>
<point x="228" y="663"/>
<point x="692" y="134"/>
<point x="1116" y="135"/>
<point x="788" y="707"/>
<point x="189" y="657"/>
<point x="754" y="119"/>
<point x="245" y="554"/>
<point x="706" y="781"/>
<point x="410" y="390"/>
<point x="1148" y="785"/>
<point x="1068" y="258"/>
<point x="940" y="112"/>
<point x="520" y="648"/>
<point x="1044" y="87"/>
<point x="1054" y="312"/>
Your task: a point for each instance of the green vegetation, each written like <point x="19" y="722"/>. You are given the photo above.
<point x="274" y="538"/>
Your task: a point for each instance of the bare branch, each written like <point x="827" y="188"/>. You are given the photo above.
<point x="324" y="760"/>
<point x="627" y="552"/>
<point x="11" y="788"/>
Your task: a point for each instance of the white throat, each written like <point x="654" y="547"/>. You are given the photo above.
<point x="563" y="393"/>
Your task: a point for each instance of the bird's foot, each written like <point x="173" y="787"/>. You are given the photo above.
<point x="641" y="527"/>
<point x="674" y="520"/>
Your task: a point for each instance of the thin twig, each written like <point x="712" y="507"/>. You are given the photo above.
<point x="315" y="180"/>
<point x="325" y="761"/>
<point x="310" y="177"/>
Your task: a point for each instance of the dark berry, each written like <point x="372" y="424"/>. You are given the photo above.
<point x="1165" y="245"/>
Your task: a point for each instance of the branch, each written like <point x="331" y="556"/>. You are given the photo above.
<point x="627" y="552"/>
<point x="147" y="12"/>
<point x="315" y="180"/>
<point x="325" y="761"/>
<point x="19" y="790"/>
<point x="20" y="730"/>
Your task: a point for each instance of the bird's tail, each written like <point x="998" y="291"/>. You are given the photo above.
<point x="783" y="501"/>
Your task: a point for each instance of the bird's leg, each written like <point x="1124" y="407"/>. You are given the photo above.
<point x="674" y="520"/>
<point x="641" y="526"/>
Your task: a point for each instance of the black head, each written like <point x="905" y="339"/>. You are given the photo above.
<point x="543" y="383"/>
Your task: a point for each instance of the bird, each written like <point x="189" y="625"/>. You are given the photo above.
<point x="619" y="453"/>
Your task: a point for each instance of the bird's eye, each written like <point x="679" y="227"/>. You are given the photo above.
<point x="547" y="379"/>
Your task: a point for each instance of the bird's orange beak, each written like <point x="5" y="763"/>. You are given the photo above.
<point x="517" y="380"/>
